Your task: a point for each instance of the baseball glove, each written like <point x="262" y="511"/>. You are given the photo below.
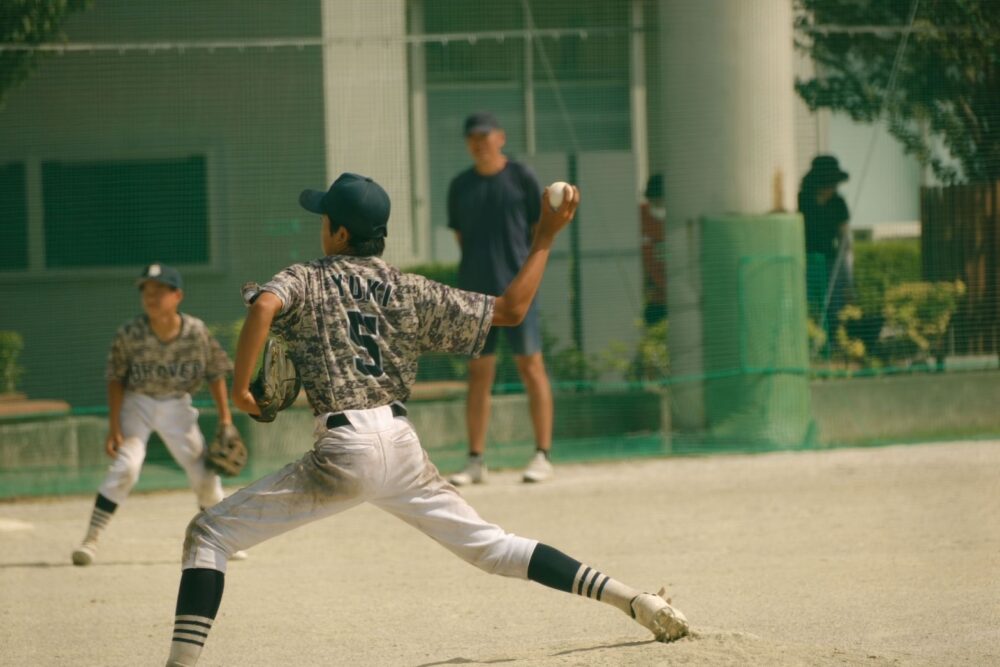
<point x="226" y="453"/>
<point x="277" y="384"/>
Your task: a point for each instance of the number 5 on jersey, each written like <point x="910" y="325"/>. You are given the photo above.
<point x="364" y="334"/>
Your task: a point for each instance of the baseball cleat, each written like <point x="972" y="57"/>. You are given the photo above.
<point x="239" y="555"/>
<point x="539" y="469"/>
<point x="85" y="553"/>
<point x="474" y="473"/>
<point x="655" y="614"/>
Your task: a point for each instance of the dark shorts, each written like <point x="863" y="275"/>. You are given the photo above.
<point x="524" y="339"/>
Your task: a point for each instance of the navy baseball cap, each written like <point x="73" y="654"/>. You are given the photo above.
<point x="354" y="201"/>
<point x="161" y="273"/>
<point x="481" y="122"/>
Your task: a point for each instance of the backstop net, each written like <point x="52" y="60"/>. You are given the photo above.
<point x="714" y="293"/>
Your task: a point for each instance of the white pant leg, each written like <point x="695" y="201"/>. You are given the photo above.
<point x="136" y="425"/>
<point x="176" y="420"/>
<point x="340" y="472"/>
<point x="417" y="494"/>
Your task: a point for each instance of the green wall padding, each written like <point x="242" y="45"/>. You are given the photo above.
<point x="756" y="352"/>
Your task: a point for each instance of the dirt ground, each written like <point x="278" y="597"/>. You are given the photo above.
<point x="887" y="556"/>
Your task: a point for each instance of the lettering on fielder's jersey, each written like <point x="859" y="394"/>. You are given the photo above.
<point x="145" y="364"/>
<point x="355" y="328"/>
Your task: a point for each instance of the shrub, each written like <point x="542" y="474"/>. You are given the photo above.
<point x="917" y="316"/>
<point x="11" y="344"/>
<point x="881" y="265"/>
<point x="651" y="361"/>
<point x="817" y="337"/>
<point x="853" y="349"/>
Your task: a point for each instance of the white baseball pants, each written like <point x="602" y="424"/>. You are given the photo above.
<point x="378" y="459"/>
<point x="176" y="420"/>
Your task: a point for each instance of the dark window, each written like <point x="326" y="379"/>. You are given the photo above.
<point x="128" y="212"/>
<point x="13" y="218"/>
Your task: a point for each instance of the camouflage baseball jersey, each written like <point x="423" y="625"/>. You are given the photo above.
<point x="355" y="328"/>
<point x="145" y="364"/>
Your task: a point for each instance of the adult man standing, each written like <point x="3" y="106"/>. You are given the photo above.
<point x="493" y="208"/>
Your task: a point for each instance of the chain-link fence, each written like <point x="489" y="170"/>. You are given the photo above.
<point x="690" y="307"/>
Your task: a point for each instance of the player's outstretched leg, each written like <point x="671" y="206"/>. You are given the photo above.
<point x="197" y="604"/>
<point x="99" y="519"/>
<point x="550" y="567"/>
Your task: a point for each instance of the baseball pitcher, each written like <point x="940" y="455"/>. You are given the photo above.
<point x="355" y="327"/>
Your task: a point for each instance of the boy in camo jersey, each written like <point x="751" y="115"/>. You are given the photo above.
<point x="157" y="361"/>
<point x="355" y="328"/>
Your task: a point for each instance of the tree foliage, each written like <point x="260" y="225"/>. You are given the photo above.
<point x="947" y="85"/>
<point x="29" y="22"/>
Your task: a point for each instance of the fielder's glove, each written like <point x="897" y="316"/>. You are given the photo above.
<point x="277" y="384"/>
<point x="226" y="453"/>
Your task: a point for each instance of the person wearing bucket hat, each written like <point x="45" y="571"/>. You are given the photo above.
<point x="829" y="255"/>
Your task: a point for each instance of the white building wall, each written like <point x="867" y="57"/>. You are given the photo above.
<point x="367" y="105"/>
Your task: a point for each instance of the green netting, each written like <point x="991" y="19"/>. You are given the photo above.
<point x="756" y="351"/>
<point x="687" y="310"/>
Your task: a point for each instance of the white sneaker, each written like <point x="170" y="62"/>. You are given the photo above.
<point x="474" y="473"/>
<point x="239" y="555"/>
<point x="85" y="553"/>
<point x="539" y="469"/>
<point x="655" y="614"/>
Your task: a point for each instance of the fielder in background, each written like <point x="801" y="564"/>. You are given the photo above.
<point x="355" y="327"/>
<point x="156" y="362"/>
<point x="493" y="208"/>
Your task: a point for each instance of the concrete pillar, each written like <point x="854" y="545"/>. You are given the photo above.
<point x="366" y="108"/>
<point x="728" y="128"/>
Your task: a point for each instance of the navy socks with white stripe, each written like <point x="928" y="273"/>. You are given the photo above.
<point x="197" y="604"/>
<point x="99" y="518"/>
<point x="551" y="567"/>
<point x="201" y="593"/>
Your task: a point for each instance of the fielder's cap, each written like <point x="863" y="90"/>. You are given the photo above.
<point x="161" y="273"/>
<point x="825" y="170"/>
<point x="354" y="201"/>
<point x="481" y="122"/>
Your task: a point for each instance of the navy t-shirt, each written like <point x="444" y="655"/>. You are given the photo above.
<point x="495" y="216"/>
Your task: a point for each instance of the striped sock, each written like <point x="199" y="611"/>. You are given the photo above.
<point x="551" y="567"/>
<point x="190" y="634"/>
<point x="590" y="583"/>
<point x="197" y="604"/>
<point x="99" y="518"/>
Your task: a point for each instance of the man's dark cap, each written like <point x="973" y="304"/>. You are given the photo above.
<point x="481" y="122"/>
<point x="825" y="171"/>
<point x="161" y="273"/>
<point x="354" y="201"/>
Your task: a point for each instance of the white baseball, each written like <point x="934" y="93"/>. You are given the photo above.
<point x="556" y="193"/>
